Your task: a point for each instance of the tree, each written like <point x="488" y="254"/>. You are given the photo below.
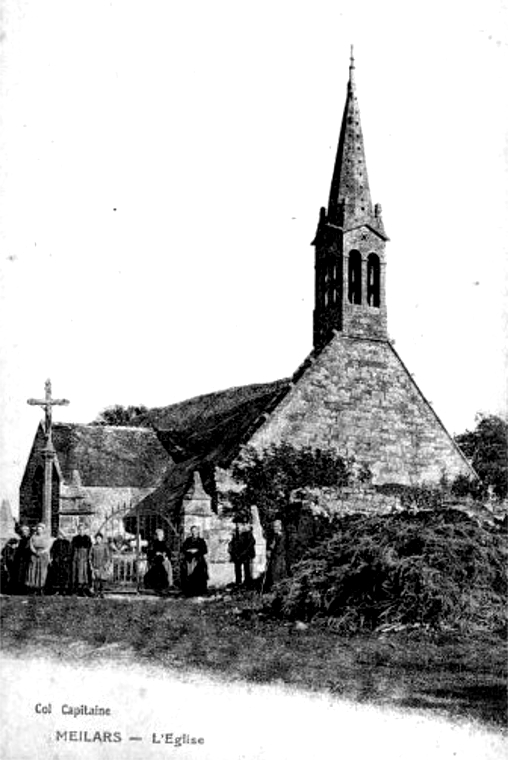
<point x="122" y="416"/>
<point x="271" y="476"/>
<point x="486" y="447"/>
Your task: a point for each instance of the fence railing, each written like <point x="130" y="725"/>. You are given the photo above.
<point x="128" y="570"/>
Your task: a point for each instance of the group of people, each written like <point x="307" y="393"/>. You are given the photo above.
<point x="242" y="552"/>
<point x="38" y="564"/>
<point x="193" y="565"/>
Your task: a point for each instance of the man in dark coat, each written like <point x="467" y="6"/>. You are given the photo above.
<point x="81" y="570"/>
<point x="194" y="573"/>
<point x="242" y="550"/>
<point x="7" y="582"/>
<point x="276" y="556"/>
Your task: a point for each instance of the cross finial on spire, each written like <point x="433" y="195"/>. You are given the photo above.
<point x="351" y="67"/>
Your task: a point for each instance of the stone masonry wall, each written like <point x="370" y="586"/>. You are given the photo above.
<point x="349" y="500"/>
<point x="361" y="319"/>
<point x="103" y="503"/>
<point x="29" y="512"/>
<point x="358" y="399"/>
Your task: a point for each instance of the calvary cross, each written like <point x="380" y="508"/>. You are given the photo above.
<point x="48" y="403"/>
<point x="49" y="452"/>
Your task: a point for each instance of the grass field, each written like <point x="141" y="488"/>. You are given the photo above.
<point x="436" y="671"/>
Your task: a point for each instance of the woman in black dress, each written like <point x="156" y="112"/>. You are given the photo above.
<point x="194" y="574"/>
<point x="159" y="576"/>
<point x="81" y="569"/>
<point x="60" y="568"/>
<point x="21" y="561"/>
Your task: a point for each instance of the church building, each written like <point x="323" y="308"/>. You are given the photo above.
<point x="352" y="395"/>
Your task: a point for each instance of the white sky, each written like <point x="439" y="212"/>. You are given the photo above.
<point x="162" y="168"/>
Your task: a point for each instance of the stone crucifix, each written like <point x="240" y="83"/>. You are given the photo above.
<point x="49" y="451"/>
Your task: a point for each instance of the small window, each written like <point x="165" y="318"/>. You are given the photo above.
<point x="355" y="277"/>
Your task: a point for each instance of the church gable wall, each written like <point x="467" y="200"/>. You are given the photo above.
<point x="29" y="510"/>
<point x="358" y="399"/>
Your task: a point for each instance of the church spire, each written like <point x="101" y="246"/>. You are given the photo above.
<point x="350" y="242"/>
<point x="350" y="203"/>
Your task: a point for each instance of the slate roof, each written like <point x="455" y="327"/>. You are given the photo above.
<point x="202" y="433"/>
<point x="167" y="498"/>
<point x="114" y="457"/>
<point x="212" y="427"/>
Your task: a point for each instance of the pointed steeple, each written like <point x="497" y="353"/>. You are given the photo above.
<point x="350" y="240"/>
<point x="350" y="203"/>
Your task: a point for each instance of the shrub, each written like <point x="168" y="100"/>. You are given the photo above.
<point x="430" y="568"/>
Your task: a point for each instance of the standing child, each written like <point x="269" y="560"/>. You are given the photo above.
<point x="99" y="560"/>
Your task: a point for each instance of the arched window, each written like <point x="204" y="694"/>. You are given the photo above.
<point x="373" y="280"/>
<point x="355" y="277"/>
<point x="337" y="279"/>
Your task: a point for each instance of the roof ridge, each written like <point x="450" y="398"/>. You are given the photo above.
<point x="98" y="426"/>
<point x="219" y="392"/>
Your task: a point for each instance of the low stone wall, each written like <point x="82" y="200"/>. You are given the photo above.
<point x="348" y="500"/>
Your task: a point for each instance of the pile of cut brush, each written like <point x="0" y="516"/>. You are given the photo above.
<point x="433" y="568"/>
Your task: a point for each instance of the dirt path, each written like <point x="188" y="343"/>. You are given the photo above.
<point x="150" y="710"/>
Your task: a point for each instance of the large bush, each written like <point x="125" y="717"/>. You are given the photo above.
<point x="272" y="475"/>
<point x="430" y="568"/>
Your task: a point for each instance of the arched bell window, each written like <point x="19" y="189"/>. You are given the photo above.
<point x="337" y="279"/>
<point x="373" y="298"/>
<point x="355" y="277"/>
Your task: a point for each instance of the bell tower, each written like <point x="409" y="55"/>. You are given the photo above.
<point x="350" y="242"/>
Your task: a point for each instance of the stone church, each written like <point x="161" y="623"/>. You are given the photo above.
<point x="352" y="394"/>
